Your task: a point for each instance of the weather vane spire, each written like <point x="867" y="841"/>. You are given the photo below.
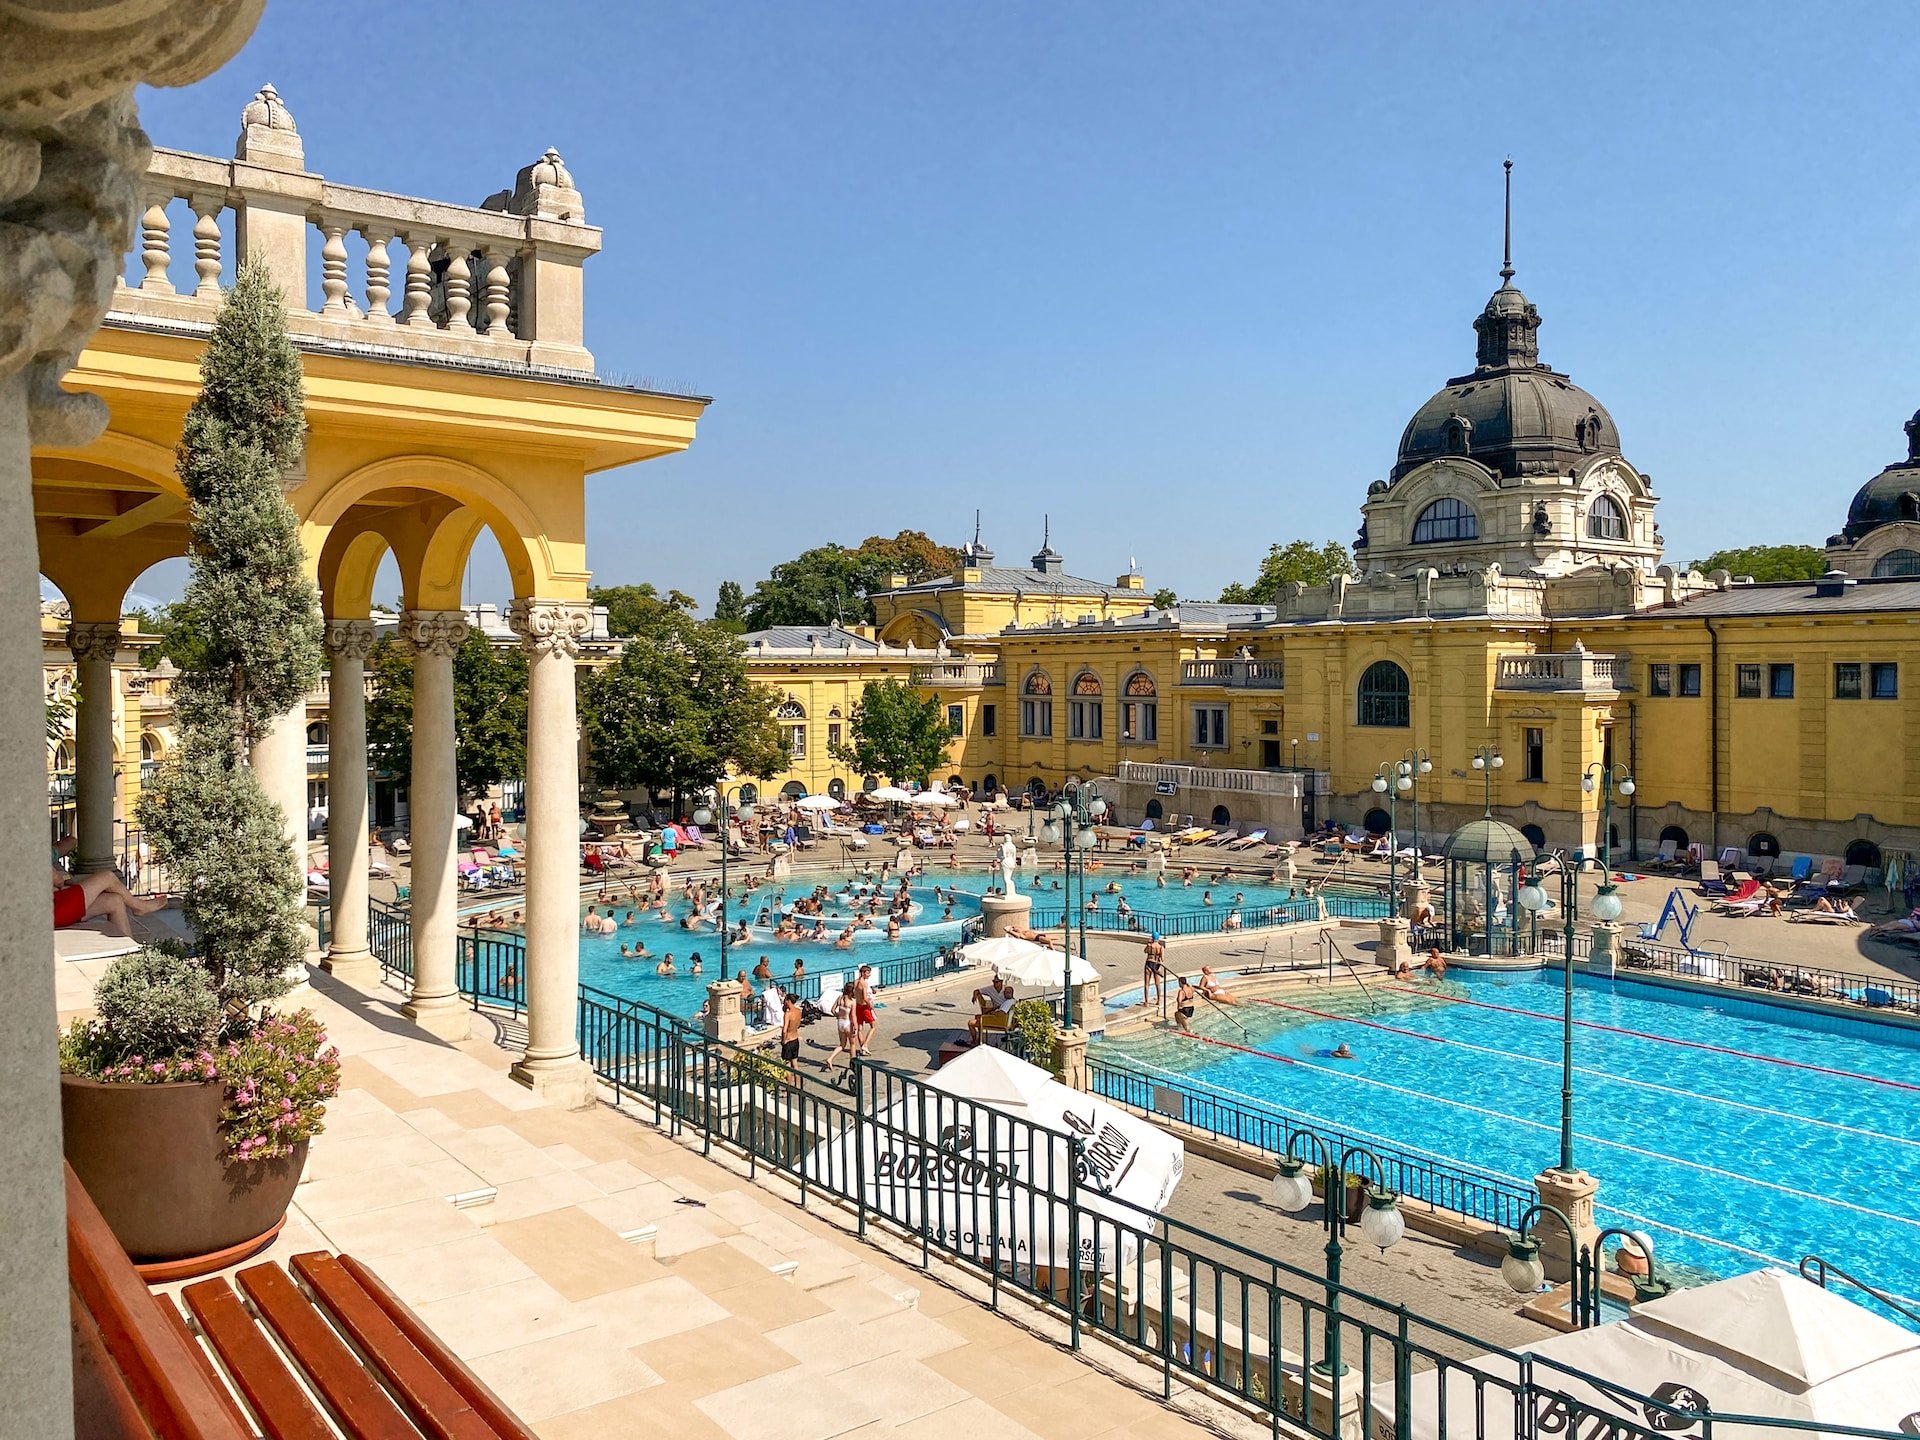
<point x="976" y="529"/>
<point x="1506" y="249"/>
<point x="1046" y="531"/>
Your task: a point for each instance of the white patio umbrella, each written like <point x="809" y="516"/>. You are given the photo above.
<point x="891" y="793"/>
<point x="966" y="1133"/>
<point x="935" y="799"/>
<point x="1025" y="963"/>
<point x="1765" y="1344"/>
<point x="816" y="802"/>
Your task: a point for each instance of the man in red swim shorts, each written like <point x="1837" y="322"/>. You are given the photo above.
<point x="83" y="897"/>
<point x="863" y="1016"/>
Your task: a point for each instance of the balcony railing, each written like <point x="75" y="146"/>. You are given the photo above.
<point x="1578" y="670"/>
<point x="1204" y="777"/>
<point x="1235" y="674"/>
<point x="318" y="759"/>
<point x="956" y="675"/>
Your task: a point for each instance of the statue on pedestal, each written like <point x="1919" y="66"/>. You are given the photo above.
<point x="1008" y="861"/>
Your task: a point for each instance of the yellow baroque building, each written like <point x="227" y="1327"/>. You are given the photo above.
<point x="1509" y="593"/>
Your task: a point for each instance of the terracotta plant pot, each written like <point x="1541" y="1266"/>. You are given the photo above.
<point x="153" y="1159"/>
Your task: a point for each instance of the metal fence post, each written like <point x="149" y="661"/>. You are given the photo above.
<point x="859" y="1145"/>
<point x="1073" y="1238"/>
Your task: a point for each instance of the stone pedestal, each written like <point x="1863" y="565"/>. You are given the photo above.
<point x="1571" y="1193"/>
<point x="723" y="1020"/>
<point x="1414" y="897"/>
<point x="1070" y="1057"/>
<point x="1606" y="947"/>
<point x="1030" y="861"/>
<point x="1337" y="1404"/>
<point x="782" y="866"/>
<point x="1000" y="913"/>
<point x="1089" y="1009"/>
<point x="1393" y="942"/>
<point x="904" y="860"/>
<point x="568" y="1083"/>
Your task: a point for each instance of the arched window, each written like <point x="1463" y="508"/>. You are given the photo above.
<point x="1677" y="834"/>
<point x="1761" y="843"/>
<point x="149" y="747"/>
<point x="1140" y="711"/>
<point x="749" y="793"/>
<point x="1446" y="519"/>
<point x="1536" y="837"/>
<point x="1036" y="706"/>
<point x="792" y="709"/>
<point x="62" y="757"/>
<point x="954" y="782"/>
<point x="1897" y="563"/>
<point x="793" y="790"/>
<point x="1863" y="852"/>
<point x="1084" y="711"/>
<point x="1378" y="822"/>
<point x="991" y="785"/>
<point x="1385" y="696"/>
<point x="1221" y="815"/>
<point x="792" y="716"/>
<point x="1038" y="683"/>
<point x="317" y="733"/>
<point x="1457" y="438"/>
<point x="837" y="789"/>
<point x="1605" y="519"/>
<point x="1154" y="810"/>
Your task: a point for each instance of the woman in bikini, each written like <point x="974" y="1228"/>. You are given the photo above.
<point x="1184" y="1000"/>
<point x="845" y="1012"/>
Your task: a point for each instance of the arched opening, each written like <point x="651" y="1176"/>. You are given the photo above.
<point x="1036" y="706"/>
<point x="749" y="793"/>
<point x="793" y="790"/>
<point x="1140" y="709"/>
<point x="1897" y="564"/>
<point x="1221" y="815"/>
<point x="1763" y="844"/>
<point x="1386" y="697"/>
<point x="1536" y="837"/>
<point x="1155" y="810"/>
<point x="1377" y="822"/>
<point x="954" y="782"/>
<point x="1084" y="707"/>
<point x="792" y="718"/>
<point x="1606" y="520"/>
<point x="869" y="783"/>
<point x="317" y="732"/>
<point x="1036" y="787"/>
<point x="1447" y="518"/>
<point x="1863" y="852"/>
<point x="1677" y="834"/>
<point x="836" y="789"/>
<point x="990" y="785"/>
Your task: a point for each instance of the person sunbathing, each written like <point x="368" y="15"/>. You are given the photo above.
<point x="99" y="896"/>
<point x="1211" y="988"/>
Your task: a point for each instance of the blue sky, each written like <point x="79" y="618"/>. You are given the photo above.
<point x="1176" y="273"/>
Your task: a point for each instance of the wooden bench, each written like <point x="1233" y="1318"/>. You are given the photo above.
<point x="319" y="1351"/>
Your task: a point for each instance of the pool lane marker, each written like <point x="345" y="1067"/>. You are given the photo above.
<point x="1598" y="1074"/>
<point x="1542" y="1125"/>
<point x="1669" y="1040"/>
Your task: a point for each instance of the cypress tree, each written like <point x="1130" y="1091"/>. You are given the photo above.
<point x="251" y="647"/>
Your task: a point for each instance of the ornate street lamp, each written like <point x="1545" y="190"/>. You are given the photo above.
<point x="1524" y="1273"/>
<point x="1533" y="898"/>
<point x="1606" y="905"/>
<point x="1072" y="823"/>
<point x="1413" y="765"/>
<point x="1381" y="1223"/>
<point x="1488" y="759"/>
<point x="1388" y="781"/>
<point x="723" y="804"/>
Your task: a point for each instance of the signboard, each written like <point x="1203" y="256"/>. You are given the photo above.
<point x="1166" y="787"/>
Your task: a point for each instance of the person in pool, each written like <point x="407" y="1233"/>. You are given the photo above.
<point x="666" y="965"/>
<point x="1338" y="1052"/>
<point x="1184" y="1001"/>
<point x="695" y="967"/>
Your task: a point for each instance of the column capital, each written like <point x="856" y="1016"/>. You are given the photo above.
<point x="94" y="639"/>
<point x="551" y="627"/>
<point x="432" y="632"/>
<point x="350" y="639"/>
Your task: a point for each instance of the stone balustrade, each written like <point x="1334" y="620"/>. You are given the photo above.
<point x="1578" y="669"/>
<point x="1204" y="777"/>
<point x="497" y="285"/>
<point x="957" y="675"/>
<point x="1235" y="674"/>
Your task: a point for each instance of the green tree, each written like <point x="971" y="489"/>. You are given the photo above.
<point x="1165" y="599"/>
<point x="833" y="584"/>
<point x="639" y="609"/>
<point x="255" y="618"/>
<point x="1768" y="562"/>
<point x="489" y="712"/>
<point x="178" y="641"/>
<point x="1297" y="560"/>
<point x="911" y="553"/>
<point x="676" y="711"/>
<point x="730" y="606"/>
<point x="897" y="732"/>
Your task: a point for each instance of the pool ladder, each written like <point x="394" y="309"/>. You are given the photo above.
<point x="1334" y="952"/>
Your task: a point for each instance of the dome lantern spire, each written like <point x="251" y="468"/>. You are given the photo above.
<point x="1506" y="249"/>
<point x="1509" y="328"/>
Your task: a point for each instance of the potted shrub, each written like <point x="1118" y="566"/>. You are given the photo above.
<point x="187" y="1104"/>
<point x="1032" y="1021"/>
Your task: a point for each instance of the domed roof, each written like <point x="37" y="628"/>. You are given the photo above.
<point x="1893" y="494"/>
<point x="1478" y="841"/>
<point x="1513" y="414"/>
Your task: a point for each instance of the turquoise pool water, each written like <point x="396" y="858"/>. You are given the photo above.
<point x="1733" y="1131"/>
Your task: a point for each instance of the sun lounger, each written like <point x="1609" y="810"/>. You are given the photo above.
<point x="1248" y="841"/>
<point x="1666" y="860"/>
<point x="691" y="837"/>
<point x="1711" y="882"/>
<point x="1225" y="837"/>
<point x="1751" y="905"/>
<point x="1825" y="917"/>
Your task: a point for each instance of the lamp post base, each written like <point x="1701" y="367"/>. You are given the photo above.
<point x="1570" y="1192"/>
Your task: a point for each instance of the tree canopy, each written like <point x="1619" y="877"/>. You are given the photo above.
<point x="730" y="606"/>
<point x="489" y="712"/>
<point x="676" y="712"/>
<point x="1165" y="598"/>
<point x="896" y="732"/>
<point x="1297" y="560"/>
<point x="834" y="584"/>
<point x="1768" y="562"/>
<point x="639" y="609"/>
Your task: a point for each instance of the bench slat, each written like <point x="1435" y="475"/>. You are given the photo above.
<point x="177" y="1322"/>
<point x="112" y="1404"/>
<point x="253" y="1365"/>
<point x="358" y="1405"/>
<point x="424" y="1389"/>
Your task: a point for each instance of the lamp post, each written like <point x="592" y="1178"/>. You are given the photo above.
<point x="1533" y="898"/>
<point x="1413" y="765"/>
<point x="1388" y="781"/>
<point x="1381" y="1223"/>
<point x="723" y="805"/>
<point x="1072" y="823"/>
<point x="1488" y="759"/>
<point x="1609" y="778"/>
<point x="1524" y="1273"/>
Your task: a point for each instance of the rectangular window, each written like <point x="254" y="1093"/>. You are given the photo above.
<point x="833" y="734"/>
<point x="1139" y="721"/>
<point x="956" y="720"/>
<point x="1780" y="682"/>
<point x="797" y="741"/>
<point x="1886" y="681"/>
<point x="1746" y="682"/>
<point x="1269" y="727"/>
<point x="1209" y="727"/>
<point x="989" y="720"/>
<point x="1083" y="719"/>
<point x="1660" y="679"/>
<point x="1846" y="681"/>
<point x="1535" y="746"/>
<point x="1690" y="680"/>
<point x="1036" y="719"/>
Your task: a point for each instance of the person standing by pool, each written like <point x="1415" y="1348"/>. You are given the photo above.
<point x="790" y="1038"/>
<point x="864" y="1013"/>
<point x="846" y="1026"/>
<point x="1153" y="972"/>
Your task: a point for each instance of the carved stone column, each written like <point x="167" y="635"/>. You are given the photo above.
<point x="94" y="645"/>
<point x="349" y="642"/>
<point x="71" y="162"/>
<point x="551" y="631"/>
<point x="433" y="800"/>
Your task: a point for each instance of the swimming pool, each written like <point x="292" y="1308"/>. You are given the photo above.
<point x="1733" y="1131"/>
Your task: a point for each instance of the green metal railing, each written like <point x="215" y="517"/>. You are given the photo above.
<point x="1217" y="919"/>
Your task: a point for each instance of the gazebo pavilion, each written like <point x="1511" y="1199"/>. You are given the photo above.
<point x="1481" y="862"/>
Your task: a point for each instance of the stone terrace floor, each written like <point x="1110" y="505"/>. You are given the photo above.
<point x="586" y="1334"/>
